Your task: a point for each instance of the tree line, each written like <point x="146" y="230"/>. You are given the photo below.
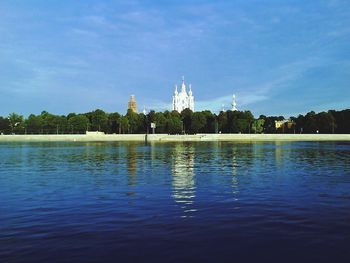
<point x="172" y="122"/>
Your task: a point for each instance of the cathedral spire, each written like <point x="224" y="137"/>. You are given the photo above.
<point x="234" y="104"/>
<point x="190" y="91"/>
<point x="183" y="86"/>
<point x="176" y="92"/>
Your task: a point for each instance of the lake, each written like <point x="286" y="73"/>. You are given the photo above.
<point x="175" y="202"/>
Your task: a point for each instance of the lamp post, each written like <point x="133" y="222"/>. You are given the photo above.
<point x="182" y="127"/>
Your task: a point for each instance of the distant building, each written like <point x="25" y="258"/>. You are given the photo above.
<point x="183" y="100"/>
<point x="132" y="104"/>
<point x="234" y="104"/>
<point x="280" y="124"/>
<point x="284" y="125"/>
<point x="144" y="111"/>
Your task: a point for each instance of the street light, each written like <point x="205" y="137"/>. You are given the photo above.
<point x="182" y="127"/>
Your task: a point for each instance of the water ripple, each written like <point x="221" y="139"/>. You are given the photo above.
<point x="194" y="202"/>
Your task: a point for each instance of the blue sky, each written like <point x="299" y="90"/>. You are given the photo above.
<point x="278" y="57"/>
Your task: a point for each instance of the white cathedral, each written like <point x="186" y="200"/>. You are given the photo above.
<point x="183" y="100"/>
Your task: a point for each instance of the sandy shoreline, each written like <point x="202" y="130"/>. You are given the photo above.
<point x="174" y="138"/>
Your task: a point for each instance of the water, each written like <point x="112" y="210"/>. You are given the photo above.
<point x="175" y="202"/>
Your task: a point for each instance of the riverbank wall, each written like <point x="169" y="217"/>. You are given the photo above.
<point x="172" y="138"/>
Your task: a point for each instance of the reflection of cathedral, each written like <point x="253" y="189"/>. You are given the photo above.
<point x="183" y="100"/>
<point x="183" y="175"/>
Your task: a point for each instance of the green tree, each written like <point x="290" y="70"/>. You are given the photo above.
<point x="62" y="124"/>
<point x="186" y="116"/>
<point x="134" y="122"/>
<point x="5" y="127"/>
<point x="222" y="121"/>
<point x="124" y="124"/>
<point x="269" y="124"/>
<point x="16" y="122"/>
<point x="98" y="120"/>
<point x="143" y="123"/>
<point x="239" y="121"/>
<point x="113" y="122"/>
<point x="174" y="123"/>
<point x="232" y="117"/>
<point x="210" y="122"/>
<point x="78" y="123"/>
<point x="325" y="122"/>
<point x="258" y="126"/>
<point x="342" y="123"/>
<point x="310" y="122"/>
<point x="161" y="122"/>
<point x="150" y="118"/>
<point x="34" y="124"/>
<point x="198" y="122"/>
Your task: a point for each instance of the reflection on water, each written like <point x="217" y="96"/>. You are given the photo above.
<point x="131" y="158"/>
<point x="235" y="188"/>
<point x="184" y="188"/>
<point x="175" y="202"/>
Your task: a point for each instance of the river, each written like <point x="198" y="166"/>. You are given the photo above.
<point x="175" y="202"/>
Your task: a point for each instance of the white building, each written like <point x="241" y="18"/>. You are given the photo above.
<point x="183" y="100"/>
<point x="234" y="104"/>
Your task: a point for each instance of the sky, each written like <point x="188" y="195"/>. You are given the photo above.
<point x="278" y="57"/>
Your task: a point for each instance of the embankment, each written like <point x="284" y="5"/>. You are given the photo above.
<point x="173" y="138"/>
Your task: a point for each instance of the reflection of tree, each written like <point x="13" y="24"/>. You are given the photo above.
<point x="131" y="163"/>
<point x="279" y="152"/>
<point x="311" y="154"/>
<point x="183" y="175"/>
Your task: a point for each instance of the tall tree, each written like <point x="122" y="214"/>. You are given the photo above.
<point x="98" y="120"/>
<point x="78" y="123"/>
<point x="161" y="122"/>
<point x="16" y="122"/>
<point x="186" y="116"/>
<point x="210" y="122"/>
<point x="113" y="122"/>
<point x="124" y="124"/>
<point x="258" y="126"/>
<point x="134" y="121"/>
<point x="198" y="122"/>
<point x="222" y="121"/>
<point x="310" y="122"/>
<point x="325" y="122"/>
<point x="174" y="123"/>
<point x="34" y="124"/>
<point x="5" y="127"/>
